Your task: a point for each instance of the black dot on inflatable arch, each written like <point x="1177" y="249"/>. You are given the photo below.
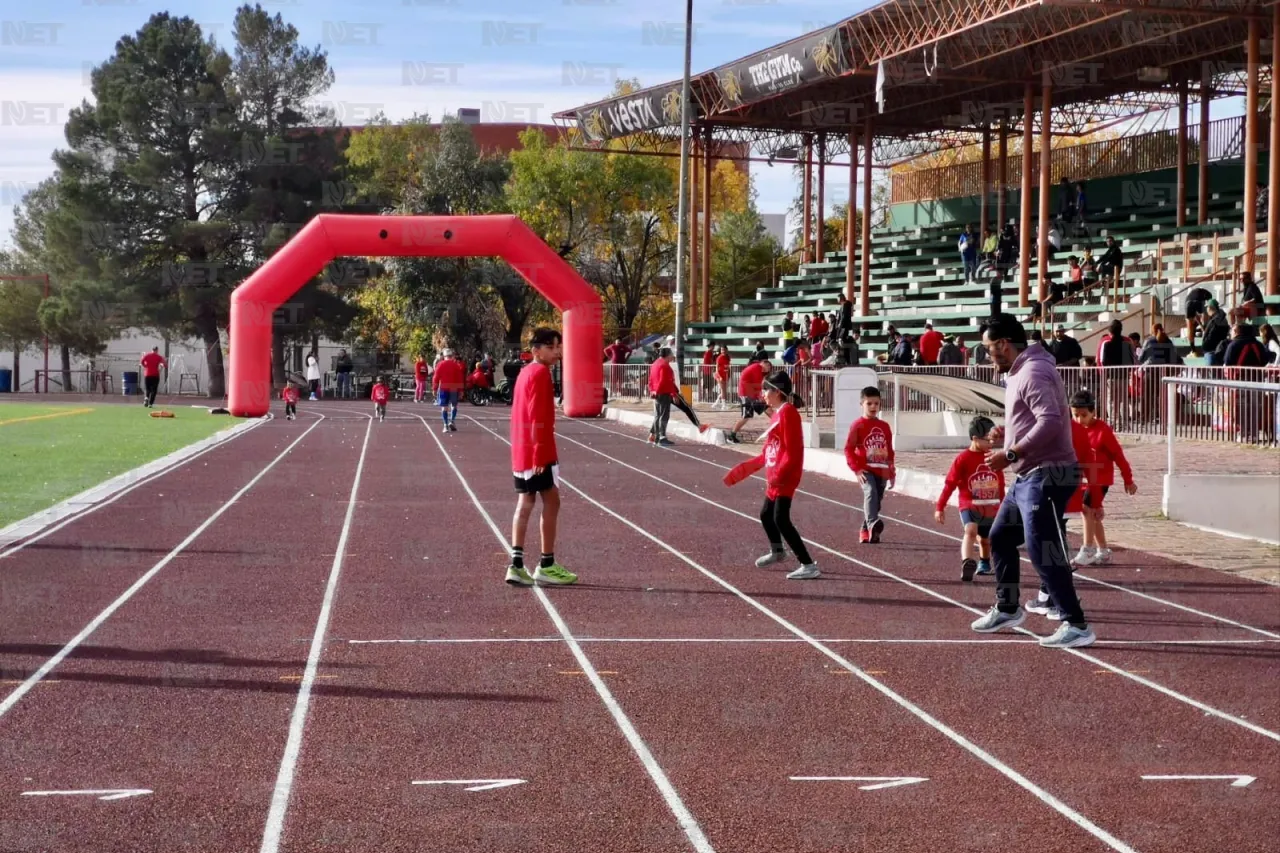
<point x="448" y="235"/>
<point x="382" y="234"/>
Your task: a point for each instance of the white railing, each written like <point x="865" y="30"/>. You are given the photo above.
<point x="1242" y="406"/>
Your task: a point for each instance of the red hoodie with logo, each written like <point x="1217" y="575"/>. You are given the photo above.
<point x="870" y="448"/>
<point x="783" y="454"/>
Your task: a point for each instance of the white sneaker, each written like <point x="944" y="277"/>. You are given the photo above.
<point x="1102" y="556"/>
<point x="1042" y="606"/>
<point x="994" y="620"/>
<point x="1084" y="556"/>
<point x="771" y="558"/>
<point x="805" y="572"/>
<point x="1069" y="636"/>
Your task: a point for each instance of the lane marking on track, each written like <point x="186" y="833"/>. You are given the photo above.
<point x="1223" y="619"/>
<point x="297" y="723"/>
<point x="211" y="443"/>
<point x="1241" y="781"/>
<point x="898" y="699"/>
<point x="45" y="417"/>
<point x="475" y="784"/>
<point x="580" y="672"/>
<point x="1159" y="688"/>
<point x="37" y="676"/>
<point x="672" y="798"/>
<point x="1010" y="641"/>
<point x="105" y="794"/>
<point x="884" y="781"/>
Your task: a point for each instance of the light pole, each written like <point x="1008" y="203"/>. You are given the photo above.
<point x="682" y="209"/>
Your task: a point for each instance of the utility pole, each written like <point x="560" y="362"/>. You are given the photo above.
<point x="682" y="209"/>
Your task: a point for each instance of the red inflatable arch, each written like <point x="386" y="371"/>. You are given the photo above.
<point x="330" y="236"/>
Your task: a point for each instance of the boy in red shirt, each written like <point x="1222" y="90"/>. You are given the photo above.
<point x="869" y="453"/>
<point x="750" y="388"/>
<point x="290" y="396"/>
<point x="783" y="461"/>
<point x="151" y="364"/>
<point x="981" y="491"/>
<point x="534" y="461"/>
<point x="1107" y="455"/>
<point x="446" y="384"/>
<point x="380" y="394"/>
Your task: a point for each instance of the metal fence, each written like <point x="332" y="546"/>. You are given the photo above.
<point x="1132" y="401"/>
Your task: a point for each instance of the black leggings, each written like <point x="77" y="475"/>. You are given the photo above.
<point x="680" y="404"/>
<point x="775" y="515"/>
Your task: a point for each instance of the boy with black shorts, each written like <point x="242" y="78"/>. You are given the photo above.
<point x="981" y="491"/>
<point x="750" y="390"/>
<point x="535" y="463"/>
<point x="1108" y="454"/>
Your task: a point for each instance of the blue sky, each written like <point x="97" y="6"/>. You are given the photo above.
<point x="517" y="60"/>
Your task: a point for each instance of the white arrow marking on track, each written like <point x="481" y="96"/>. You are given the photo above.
<point x="884" y="781"/>
<point x="480" y="784"/>
<point x="113" y="794"/>
<point x="1240" y="780"/>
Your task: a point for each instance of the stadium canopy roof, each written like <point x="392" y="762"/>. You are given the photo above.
<point x="933" y="73"/>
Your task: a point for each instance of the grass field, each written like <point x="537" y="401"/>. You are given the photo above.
<point x="50" y="452"/>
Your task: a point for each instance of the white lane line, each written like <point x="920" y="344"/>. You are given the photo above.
<point x="37" y="676"/>
<point x="1030" y="641"/>
<point x="957" y="738"/>
<point x="297" y="723"/>
<point x="1184" y="608"/>
<point x="682" y="814"/>
<point x="149" y="477"/>
<point x="1159" y="688"/>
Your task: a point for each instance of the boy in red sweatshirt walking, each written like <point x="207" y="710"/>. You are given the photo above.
<point x="869" y="453"/>
<point x="783" y="461"/>
<point x="534" y="461"/>
<point x="290" y="396"/>
<point x="380" y="394"/>
<point x="1101" y="475"/>
<point x="981" y="491"/>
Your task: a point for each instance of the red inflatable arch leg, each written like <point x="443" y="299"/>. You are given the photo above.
<point x="330" y="236"/>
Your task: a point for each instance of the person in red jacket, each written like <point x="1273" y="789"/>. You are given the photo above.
<point x="662" y="388"/>
<point x="869" y="453"/>
<point x="290" y="397"/>
<point x="151" y="364"/>
<point x="930" y="344"/>
<point x="750" y="389"/>
<point x="783" y="461"/>
<point x="981" y="491"/>
<point x="420" y="373"/>
<point x="380" y="394"/>
<point x="722" y="379"/>
<point x="1107" y="455"/>
<point x="446" y="384"/>
<point x="534" y="461"/>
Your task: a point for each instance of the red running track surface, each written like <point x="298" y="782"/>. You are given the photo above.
<point x="663" y="704"/>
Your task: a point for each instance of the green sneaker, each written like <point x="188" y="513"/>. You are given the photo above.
<point x="519" y="576"/>
<point x="555" y="574"/>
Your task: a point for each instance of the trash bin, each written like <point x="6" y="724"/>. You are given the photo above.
<point x="129" y="379"/>
<point x="6" y="380"/>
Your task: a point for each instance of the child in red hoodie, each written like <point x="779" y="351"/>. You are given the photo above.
<point x="869" y="452"/>
<point x="1107" y="455"/>
<point x="380" y="394"/>
<point x="783" y="461"/>
<point x="981" y="491"/>
<point x="290" y="396"/>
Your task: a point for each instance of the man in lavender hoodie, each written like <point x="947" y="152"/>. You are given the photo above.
<point x="1037" y="437"/>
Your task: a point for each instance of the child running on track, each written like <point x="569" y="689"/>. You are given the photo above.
<point x="783" y="461"/>
<point x="290" y="396"/>
<point x="869" y="453"/>
<point x="750" y="386"/>
<point x="534" y="461"/>
<point x="380" y="394"/>
<point x="1101" y="475"/>
<point x="446" y="384"/>
<point x="981" y="491"/>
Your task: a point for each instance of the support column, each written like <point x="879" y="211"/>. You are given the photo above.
<point x="1046" y="185"/>
<point x="1251" y="149"/>
<point x="1182" y="155"/>
<point x="1273" y="180"/>
<point x="693" y="228"/>
<point x="822" y="185"/>
<point x="865" y="296"/>
<point x="1025" y="227"/>
<point x="807" y="232"/>
<point x="1002" y="177"/>
<point x="984" y="209"/>
<point x="851" y="221"/>
<point x="707" y="170"/>
<point x="1202" y="177"/>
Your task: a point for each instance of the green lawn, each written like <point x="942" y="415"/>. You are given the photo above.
<point x="50" y="452"/>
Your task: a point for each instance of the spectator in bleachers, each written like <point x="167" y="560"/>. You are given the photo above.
<point x="1075" y="275"/>
<point x="1244" y="350"/>
<point x="1158" y="349"/>
<point x="900" y="350"/>
<point x="1066" y="202"/>
<point x="1216" y="332"/>
<point x="1197" y="302"/>
<point x="789" y="329"/>
<point x="1112" y="262"/>
<point x="1267" y="335"/>
<point x="1115" y="353"/>
<point x="968" y="246"/>
<point x="990" y="243"/>
<point x="1250" y="297"/>
<point x="950" y="355"/>
<point x="758" y="354"/>
<point x="806" y="325"/>
<point x="1066" y="349"/>
<point x="818" y="327"/>
<point x="930" y="344"/>
<point x="1088" y="269"/>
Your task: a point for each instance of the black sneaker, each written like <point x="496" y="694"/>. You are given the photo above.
<point x="967" y="568"/>
<point x="876" y="530"/>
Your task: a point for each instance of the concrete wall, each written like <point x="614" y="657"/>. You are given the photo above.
<point x="1245" y="505"/>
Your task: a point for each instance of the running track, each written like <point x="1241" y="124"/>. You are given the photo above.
<point x="277" y="639"/>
